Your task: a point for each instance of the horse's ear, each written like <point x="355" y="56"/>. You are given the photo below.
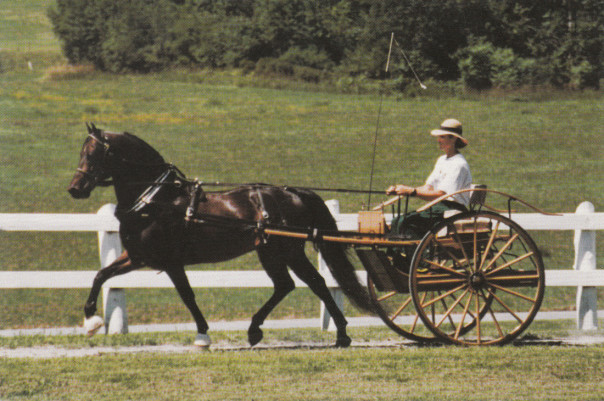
<point x="94" y="131"/>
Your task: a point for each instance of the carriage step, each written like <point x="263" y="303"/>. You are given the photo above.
<point x="379" y="267"/>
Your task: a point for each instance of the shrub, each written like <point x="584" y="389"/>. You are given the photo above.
<point x="308" y="57"/>
<point x="504" y="69"/>
<point x="307" y="74"/>
<point x="273" y="66"/>
<point x="584" y="75"/>
<point x="475" y="66"/>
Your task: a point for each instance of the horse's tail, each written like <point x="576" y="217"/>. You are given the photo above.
<point x="334" y="253"/>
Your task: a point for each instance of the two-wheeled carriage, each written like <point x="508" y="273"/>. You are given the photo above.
<point x="475" y="278"/>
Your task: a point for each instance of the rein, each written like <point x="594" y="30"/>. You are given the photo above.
<point x="259" y="185"/>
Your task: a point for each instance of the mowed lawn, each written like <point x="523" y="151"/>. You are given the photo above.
<point x="408" y="373"/>
<point x="543" y="146"/>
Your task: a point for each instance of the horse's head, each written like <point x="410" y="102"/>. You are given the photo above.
<point x="92" y="169"/>
<point x="120" y="156"/>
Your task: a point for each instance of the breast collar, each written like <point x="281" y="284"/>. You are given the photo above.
<point x="172" y="176"/>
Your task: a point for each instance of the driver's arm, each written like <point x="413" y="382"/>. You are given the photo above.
<point x="425" y="192"/>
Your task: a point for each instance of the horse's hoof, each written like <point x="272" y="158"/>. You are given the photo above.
<point x="254" y="336"/>
<point x="93" y="324"/>
<point x="343" y="342"/>
<point x="202" y="340"/>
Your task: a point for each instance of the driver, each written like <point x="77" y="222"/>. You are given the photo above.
<point x="451" y="174"/>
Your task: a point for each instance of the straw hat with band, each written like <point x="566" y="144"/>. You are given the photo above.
<point x="451" y="127"/>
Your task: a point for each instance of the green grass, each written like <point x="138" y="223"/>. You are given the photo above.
<point x="551" y="372"/>
<point x="544" y="147"/>
<point x="415" y="373"/>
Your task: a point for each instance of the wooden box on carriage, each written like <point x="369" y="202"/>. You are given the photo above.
<point x="372" y="222"/>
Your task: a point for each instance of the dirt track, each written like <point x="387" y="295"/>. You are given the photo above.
<point x="45" y="352"/>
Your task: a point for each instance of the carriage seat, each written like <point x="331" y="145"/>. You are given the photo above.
<point x="477" y="199"/>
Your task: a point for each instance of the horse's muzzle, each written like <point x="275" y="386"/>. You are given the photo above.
<point x="77" y="193"/>
<point x="79" y="188"/>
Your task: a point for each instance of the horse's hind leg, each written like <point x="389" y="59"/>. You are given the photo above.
<point x="181" y="282"/>
<point x="305" y="270"/>
<point x="123" y="264"/>
<point x="276" y="268"/>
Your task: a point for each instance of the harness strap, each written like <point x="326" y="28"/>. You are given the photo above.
<point x="265" y="215"/>
<point x="197" y="195"/>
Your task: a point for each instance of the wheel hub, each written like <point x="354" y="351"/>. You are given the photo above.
<point x="477" y="281"/>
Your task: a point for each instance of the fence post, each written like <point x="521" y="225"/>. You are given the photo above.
<point x="114" y="299"/>
<point x="326" y="321"/>
<point x="585" y="260"/>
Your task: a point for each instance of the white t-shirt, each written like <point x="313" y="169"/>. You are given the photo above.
<point x="450" y="175"/>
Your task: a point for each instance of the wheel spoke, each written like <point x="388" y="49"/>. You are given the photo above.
<point x="490" y="243"/>
<point x="510" y="311"/>
<point x="448" y="312"/>
<point x="475" y="256"/>
<point x="414" y="323"/>
<point x="507" y="264"/>
<point x="445" y="268"/>
<point x="516" y="294"/>
<point x="463" y="317"/>
<point x="444" y="304"/>
<point x="501" y="251"/>
<point x="501" y="335"/>
<point x="387" y="301"/>
<point x="399" y="310"/>
<point x="460" y="243"/>
<point x="387" y="296"/>
<point x="437" y="244"/>
<point x="446" y="294"/>
<point x="478" y="319"/>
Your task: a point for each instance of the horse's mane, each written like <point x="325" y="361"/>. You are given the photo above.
<point x="134" y="143"/>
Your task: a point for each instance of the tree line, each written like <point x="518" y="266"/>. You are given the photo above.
<point x="481" y="43"/>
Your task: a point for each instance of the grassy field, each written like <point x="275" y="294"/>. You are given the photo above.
<point x="533" y="372"/>
<point x="317" y="373"/>
<point x="543" y="146"/>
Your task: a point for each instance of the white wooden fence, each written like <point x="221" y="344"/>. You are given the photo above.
<point x="583" y="274"/>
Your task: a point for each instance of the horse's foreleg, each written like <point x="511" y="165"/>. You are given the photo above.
<point x="181" y="282"/>
<point x="123" y="264"/>
<point x="302" y="267"/>
<point x="283" y="283"/>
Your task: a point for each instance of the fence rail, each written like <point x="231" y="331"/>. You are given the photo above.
<point x="582" y="274"/>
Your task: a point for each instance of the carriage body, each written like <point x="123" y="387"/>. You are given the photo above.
<point x="475" y="278"/>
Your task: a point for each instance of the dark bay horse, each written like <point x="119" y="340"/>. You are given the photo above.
<point x="157" y="209"/>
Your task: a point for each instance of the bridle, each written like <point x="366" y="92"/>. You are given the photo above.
<point x="108" y="151"/>
<point x="96" y="177"/>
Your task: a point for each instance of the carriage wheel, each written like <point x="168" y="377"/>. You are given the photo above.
<point x="397" y="311"/>
<point x="477" y="278"/>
